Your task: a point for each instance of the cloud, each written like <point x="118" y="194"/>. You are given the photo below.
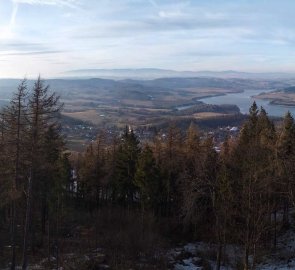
<point x="61" y="3"/>
<point x="166" y="22"/>
<point x="13" y="15"/>
<point x="18" y="53"/>
<point x="20" y="45"/>
<point x="172" y="14"/>
<point x="154" y="3"/>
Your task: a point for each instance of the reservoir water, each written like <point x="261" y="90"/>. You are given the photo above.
<point x="244" y="100"/>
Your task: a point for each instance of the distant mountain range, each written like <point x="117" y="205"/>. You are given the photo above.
<point x="116" y="88"/>
<point x="154" y="73"/>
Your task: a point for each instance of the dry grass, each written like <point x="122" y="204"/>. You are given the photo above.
<point x="132" y="102"/>
<point x="204" y="115"/>
<point x="207" y="90"/>
<point x="87" y="116"/>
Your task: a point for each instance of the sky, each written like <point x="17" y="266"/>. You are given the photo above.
<point x="50" y="37"/>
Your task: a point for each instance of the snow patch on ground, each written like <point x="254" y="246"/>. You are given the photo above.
<point x="284" y="257"/>
<point x="193" y="256"/>
<point x="188" y="264"/>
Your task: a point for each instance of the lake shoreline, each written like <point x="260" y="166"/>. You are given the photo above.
<point x="277" y="101"/>
<point x="245" y="99"/>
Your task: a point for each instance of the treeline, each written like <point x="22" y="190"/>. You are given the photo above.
<point x="240" y="195"/>
<point x="230" y="197"/>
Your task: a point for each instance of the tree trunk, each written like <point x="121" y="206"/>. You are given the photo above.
<point x="13" y="233"/>
<point x="219" y="256"/>
<point x="286" y="214"/>
<point x="275" y="231"/>
<point x="246" y="258"/>
<point x="57" y="235"/>
<point x="254" y="257"/>
<point x="27" y="223"/>
<point x="43" y="219"/>
<point x="48" y="240"/>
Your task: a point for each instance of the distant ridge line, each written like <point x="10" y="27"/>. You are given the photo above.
<point x="155" y="73"/>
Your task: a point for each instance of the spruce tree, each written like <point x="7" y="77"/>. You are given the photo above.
<point x="285" y="150"/>
<point x="148" y="180"/>
<point x="254" y="171"/>
<point x="43" y="110"/>
<point x="125" y="167"/>
<point x="14" y="146"/>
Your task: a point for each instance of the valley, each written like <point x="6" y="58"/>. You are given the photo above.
<point x="91" y="105"/>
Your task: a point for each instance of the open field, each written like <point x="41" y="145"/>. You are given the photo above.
<point x="87" y="116"/>
<point x="279" y="98"/>
<point x="204" y="115"/>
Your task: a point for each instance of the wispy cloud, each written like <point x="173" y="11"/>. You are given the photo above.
<point x="30" y="53"/>
<point x="153" y="3"/>
<point x="19" y="47"/>
<point x="68" y="3"/>
<point x="13" y="15"/>
<point x="171" y="23"/>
